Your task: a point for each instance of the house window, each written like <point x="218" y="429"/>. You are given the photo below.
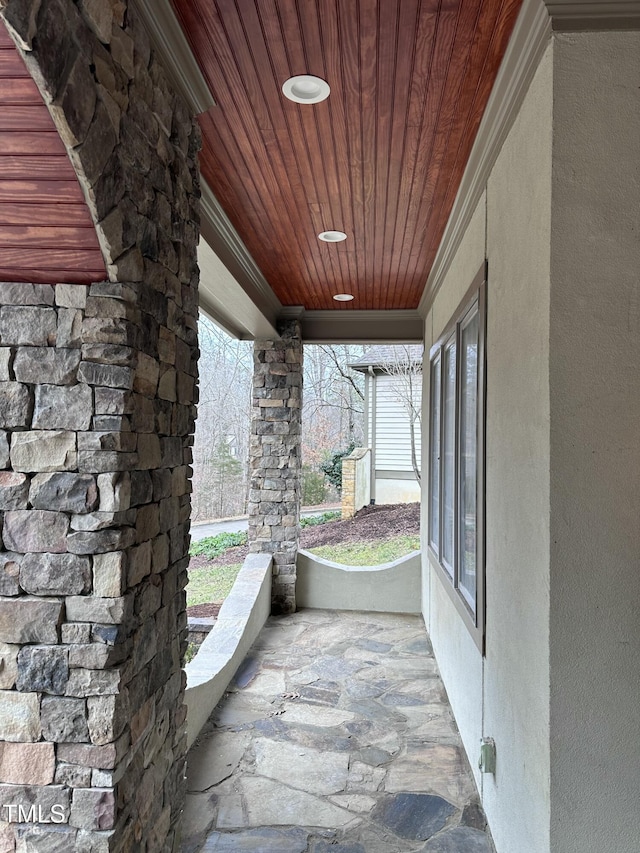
<point x="456" y="454"/>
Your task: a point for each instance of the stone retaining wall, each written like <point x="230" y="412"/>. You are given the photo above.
<point x="97" y="392"/>
<point x="275" y="445"/>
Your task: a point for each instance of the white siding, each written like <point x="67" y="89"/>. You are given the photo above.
<point x="393" y="441"/>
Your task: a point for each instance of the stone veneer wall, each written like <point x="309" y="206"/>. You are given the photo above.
<point x="275" y="446"/>
<point x="97" y="392"/>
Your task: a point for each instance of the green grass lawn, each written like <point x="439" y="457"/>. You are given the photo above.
<point x="368" y="553"/>
<point x="211" y="583"/>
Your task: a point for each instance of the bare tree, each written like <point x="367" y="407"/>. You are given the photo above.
<point x="404" y="364"/>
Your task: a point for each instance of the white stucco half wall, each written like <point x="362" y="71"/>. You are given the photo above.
<point x="241" y="618"/>
<point x="388" y="588"/>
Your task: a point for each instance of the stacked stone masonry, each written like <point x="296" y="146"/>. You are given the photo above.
<point x="275" y="445"/>
<point x="98" y="387"/>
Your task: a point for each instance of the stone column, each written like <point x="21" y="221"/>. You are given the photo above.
<point x="274" y="498"/>
<point x="96" y="391"/>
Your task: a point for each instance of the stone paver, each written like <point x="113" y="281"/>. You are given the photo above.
<point x="336" y="737"/>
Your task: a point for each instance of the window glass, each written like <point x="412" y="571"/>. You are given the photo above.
<point x="449" y="457"/>
<point x="468" y="458"/>
<point x="434" y="467"/>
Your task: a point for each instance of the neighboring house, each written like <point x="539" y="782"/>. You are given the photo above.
<point x="393" y="400"/>
<point x="470" y="184"/>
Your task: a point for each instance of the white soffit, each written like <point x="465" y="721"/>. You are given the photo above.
<point x="178" y="60"/>
<point x="529" y="39"/>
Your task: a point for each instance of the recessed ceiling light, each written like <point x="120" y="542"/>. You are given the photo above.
<point x="332" y="236"/>
<point x="306" y="89"/>
<point x="343" y="297"/>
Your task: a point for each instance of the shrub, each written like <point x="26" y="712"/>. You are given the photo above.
<point x="314" y="489"/>
<point x="312" y="520"/>
<point x="213" y="546"/>
<point x="332" y="467"/>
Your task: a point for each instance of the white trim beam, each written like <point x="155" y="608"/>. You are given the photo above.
<point x="594" y="15"/>
<point x="353" y="326"/>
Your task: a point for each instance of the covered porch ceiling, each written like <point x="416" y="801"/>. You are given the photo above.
<point x="381" y="159"/>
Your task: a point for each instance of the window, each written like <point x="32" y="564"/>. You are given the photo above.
<point x="456" y="455"/>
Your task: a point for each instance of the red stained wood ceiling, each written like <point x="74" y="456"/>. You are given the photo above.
<point x="381" y="159"/>
<point x="46" y="231"/>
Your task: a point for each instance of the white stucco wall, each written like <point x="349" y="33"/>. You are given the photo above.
<point x="595" y="444"/>
<point x="396" y="491"/>
<point x="516" y="678"/>
<point x="559" y="687"/>
<point x="458" y="657"/>
<point x="506" y="694"/>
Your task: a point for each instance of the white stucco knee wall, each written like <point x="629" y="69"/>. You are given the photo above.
<point x="390" y="587"/>
<point x="241" y="618"/>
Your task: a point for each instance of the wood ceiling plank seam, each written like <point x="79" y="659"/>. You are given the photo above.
<point x="274" y="186"/>
<point x="257" y="239"/>
<point x="476" y="95"/>
<point x="368" y="62"/>
<point x="399" y="128"/>
<point x="257" y="171"/>
<point x="424" y="49"/>
<point x="425" y="152"/>
<point x="34" y="117"/>
<point x="55" y="259"/>
<point x="301" y="176"/>
<point x="450" y="108"/>
<point x="401" y="100"/>
<point x="500" y="34"/>
<point x="294" y="62"/>
<point x="337" y="155"/>
<point x="28" y="213"/>
<point x="225" y="192"/>
<point x="419" y="196"/>
<point x="16" y="91"/>
<point x="409" y="176"/>
<point x="43" y="235"/>
<point x="26" y="166"/>
<point x="41" y="192"/>
<point x="385" y="87"/>
<point x="62" y="276"/>
<point x="316" y="140"/>
<point x="353" y="137"/>
<point x="44" y="143"/>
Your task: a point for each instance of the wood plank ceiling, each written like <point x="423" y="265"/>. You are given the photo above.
<point x="46" y="231"/>
<point x="381" y="159"/>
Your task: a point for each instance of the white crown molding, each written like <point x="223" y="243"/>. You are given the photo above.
<point x="530" y="36"/>
<point x="171" y="44"/>
<point x="594" y="14"/>
<point x="225" y="241"/>
<point x="354" y="326"/>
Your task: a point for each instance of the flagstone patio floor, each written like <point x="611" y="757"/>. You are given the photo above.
<point x="336" y="736"/>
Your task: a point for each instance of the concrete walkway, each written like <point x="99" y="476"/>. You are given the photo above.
<point x="237" y="525"/>
<point x="336" y="737"/>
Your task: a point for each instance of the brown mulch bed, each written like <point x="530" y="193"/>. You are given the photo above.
<point x="204" y="611"/>
<point x="370" y="523"/>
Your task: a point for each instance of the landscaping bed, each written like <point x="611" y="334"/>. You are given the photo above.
<point x="375" y="534"/>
